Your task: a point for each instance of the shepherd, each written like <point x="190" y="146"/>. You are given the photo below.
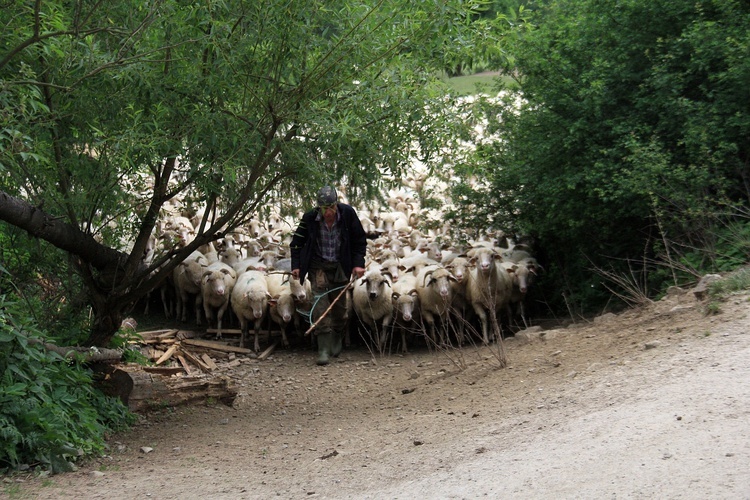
<point x="329" y="249"/>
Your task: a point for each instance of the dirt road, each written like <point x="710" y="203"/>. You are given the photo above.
<point x="651" y="403"/>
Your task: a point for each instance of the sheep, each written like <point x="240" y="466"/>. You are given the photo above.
<point x="392" y="267"/>
<point x="282" y="303"/>
<point x="435" y="295"/>
<point x="372" y="303"/>
<point x="216" y="287"/>
<point x="187" y="281"/>
<point x="249" y="301"/>
<point x="394" y="221"/>
<point x="230" y="256"/>
<point x="406" y="310"/>
<point x="416" y="262"/>
<point x="209" y="251"/>
<point x="459" y="267"/>
<point x="430" y="248"/>
<point x="177" y="232"/>
<point x="489" y="286"/>
<point x="522" y="276"/>
<point x="262" y="262"/>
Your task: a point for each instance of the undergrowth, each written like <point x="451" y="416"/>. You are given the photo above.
<point x="50" y="412"/>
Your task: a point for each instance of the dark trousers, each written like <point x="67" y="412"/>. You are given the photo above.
<point x="327" y="281"/>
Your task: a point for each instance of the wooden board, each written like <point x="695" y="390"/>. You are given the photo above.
<point x="218" y="346"/>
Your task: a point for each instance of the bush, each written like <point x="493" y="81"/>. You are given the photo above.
<point x="50" y="413"/>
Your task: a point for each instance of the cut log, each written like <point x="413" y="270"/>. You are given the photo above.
<point x="187" y="334"/>
<point x="141" y="390"/>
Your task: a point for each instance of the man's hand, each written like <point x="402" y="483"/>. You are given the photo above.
<point x="358" y="272"/>
<point x="295" y="274"/>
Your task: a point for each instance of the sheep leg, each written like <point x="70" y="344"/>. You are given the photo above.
<point x="483" y="319"/>
<point x="219" y="319"/>
<point x="244" y="326"/>
<point x="257" y="341"/>
<point x="198" y="307"/>
<point x="284" y="339"/>
<point x="165" y="303"/>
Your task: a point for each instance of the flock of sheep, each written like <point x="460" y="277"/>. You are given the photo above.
<point x="418" y="284"/>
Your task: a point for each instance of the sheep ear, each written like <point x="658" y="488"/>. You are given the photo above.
<point x="269" y="296"/>
<point x="395" y="295"/>
<point x="363" y="281"/>
<point x="413" y="292"/>
<point x="273" y="302"/>
<point x="225" y="271"/>
<point x="206" y="273"/>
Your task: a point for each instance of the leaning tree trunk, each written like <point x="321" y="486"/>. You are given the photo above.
<point x="108" y="317"/>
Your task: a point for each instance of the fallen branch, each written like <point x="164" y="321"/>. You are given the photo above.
<point x="87" y="354"/>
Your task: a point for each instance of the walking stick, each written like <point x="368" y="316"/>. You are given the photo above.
<point x="341" y="294"/>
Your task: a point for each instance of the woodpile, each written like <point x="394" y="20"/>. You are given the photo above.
<point x="186" y="369"/>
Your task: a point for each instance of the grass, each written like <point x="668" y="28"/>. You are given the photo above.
<point x="719" y="290"/>
<point x="471" y="84"/>
<point x="735" y="282"/>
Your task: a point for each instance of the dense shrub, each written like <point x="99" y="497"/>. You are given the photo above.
<point x="50" y="413"/>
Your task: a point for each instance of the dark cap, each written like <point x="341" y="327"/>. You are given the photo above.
<point x="327" y="196"/>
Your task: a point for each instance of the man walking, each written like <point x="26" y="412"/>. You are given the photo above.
<point x="328" y="248"/>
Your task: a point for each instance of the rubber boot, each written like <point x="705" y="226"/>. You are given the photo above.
<point x="336" y="344"/>
<point x="325" y="342"/>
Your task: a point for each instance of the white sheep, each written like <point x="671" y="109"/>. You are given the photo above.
<point x="176" y="231"/>
<point x="249" y="302"/>
<point x="371" y="300"/>
<point x="489" y="287"/>
<point x="187" y="278"/>
<point x="406" y="310"/>
<point x="431" y="248"/>
<point x="460" y="268"/>
<point x="282" y="309"/>
<point x="415" y="262"/>
<point x="230" y="255"/>
<point x="435" y="296"/>
<point x="216" y="287"/>
<point x="262" y="262"/>
<point x="392" y="267"/>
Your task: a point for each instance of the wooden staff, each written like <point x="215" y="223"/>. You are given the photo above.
<point x="341" y="294"/>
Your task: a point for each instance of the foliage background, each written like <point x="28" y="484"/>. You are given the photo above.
<point x="629" y="153"/>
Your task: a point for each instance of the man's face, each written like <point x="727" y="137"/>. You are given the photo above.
<point x="329" y="212"/>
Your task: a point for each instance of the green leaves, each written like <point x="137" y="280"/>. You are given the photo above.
<point x="49" y="412"/>
<point x="632" y="113"/>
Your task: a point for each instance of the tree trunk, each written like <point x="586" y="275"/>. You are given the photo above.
<point x="107" y="321"/>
